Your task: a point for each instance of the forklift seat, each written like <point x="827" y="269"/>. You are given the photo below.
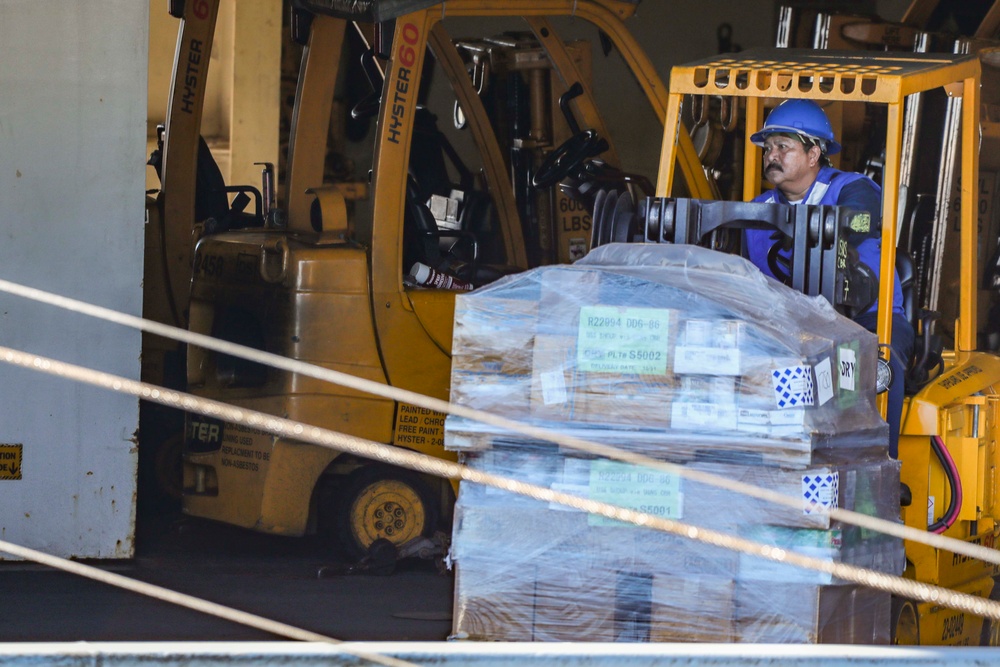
<point x="422" y="242"/>
<point x="907" y="275"/>
<point x="927" y="347"/>
<point x="431" y="152"/>
<point x="211" y="200"/>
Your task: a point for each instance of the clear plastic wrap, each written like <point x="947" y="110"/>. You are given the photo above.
<point x="672" y="351"/>
<point x="522" y="564"/>
<point x="689" y="356"/>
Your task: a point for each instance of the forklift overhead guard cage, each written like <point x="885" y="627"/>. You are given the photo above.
<point x="382" y="10"/>
<point x="845" y="76"/>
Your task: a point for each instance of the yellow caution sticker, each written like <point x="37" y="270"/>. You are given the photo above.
<point x="10" y="461"/>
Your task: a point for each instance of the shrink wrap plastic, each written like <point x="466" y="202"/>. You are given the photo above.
<point x="685" y="355"/>
<point x="672" y="351"/>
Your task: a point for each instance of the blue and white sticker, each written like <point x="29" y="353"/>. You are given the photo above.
<point x="820" y="491"/>
<point x="793" y="387"/>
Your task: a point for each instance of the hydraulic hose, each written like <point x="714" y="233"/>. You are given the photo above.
<point x="954" y="480"/>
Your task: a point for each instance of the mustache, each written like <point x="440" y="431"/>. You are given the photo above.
<point x="773" y="166"/>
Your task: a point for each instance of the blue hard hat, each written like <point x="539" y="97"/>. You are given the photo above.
<point x="802" y="117"/>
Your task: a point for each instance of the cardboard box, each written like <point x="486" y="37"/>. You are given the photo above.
<point x="574" y="605"/>
<point x="497" y="393"/>
<point x="802" y="614"/>
<point x="693" y="609"/>
<point x="492" y="604"/>
<point x="491" y="524"/>
<point x="849" y="546"/>
<point x="870" y="487"/>
<point x="494" y="335"/>
<point x="553" y="378"/>
<point x="562" y="292"/>
<point x="627" y="401"/>
<point x="545" y="604"/>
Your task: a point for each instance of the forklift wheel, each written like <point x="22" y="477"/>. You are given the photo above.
<point x="903" y="625"/>
<point x="383" y="502"/>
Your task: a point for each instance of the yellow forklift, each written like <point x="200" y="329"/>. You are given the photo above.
<point x="334" y="280"/>
<point x="323" y="280"/>
<point x="950" y="420"/>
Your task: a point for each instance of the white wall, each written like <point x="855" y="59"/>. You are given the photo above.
<point x="72" y="149"/>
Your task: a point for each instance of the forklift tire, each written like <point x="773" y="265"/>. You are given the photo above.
<point x="904" y="625"/>
<point x="383" y="502"/>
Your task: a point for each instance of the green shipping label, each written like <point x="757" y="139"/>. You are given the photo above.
<point x="635" y="487"/>
<point x="623" y="340"/>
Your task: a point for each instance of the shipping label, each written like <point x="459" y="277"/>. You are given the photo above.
<point x="623" y="340"/>
<point x="635" y="487"/>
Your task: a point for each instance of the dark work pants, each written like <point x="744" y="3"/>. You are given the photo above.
<point x="902" y="352"/>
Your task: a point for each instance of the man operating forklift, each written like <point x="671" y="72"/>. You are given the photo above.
<point x="797" y="140"/>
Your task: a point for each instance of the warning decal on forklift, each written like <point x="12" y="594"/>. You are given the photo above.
<point x="10" y="461"/>
<point x="419" y="426"/>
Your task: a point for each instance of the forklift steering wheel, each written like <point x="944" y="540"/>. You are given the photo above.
<point x="559" y="163"/>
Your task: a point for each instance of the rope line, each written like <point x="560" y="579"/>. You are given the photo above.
<point x="423" y="463"/>
<point x="190" y="602"/>
<point x="891" y="528"/>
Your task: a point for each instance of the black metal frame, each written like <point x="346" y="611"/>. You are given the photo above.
<point x="822" y="261"/>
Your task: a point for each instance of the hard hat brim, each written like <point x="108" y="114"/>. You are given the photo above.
<point x="757" y="138"/>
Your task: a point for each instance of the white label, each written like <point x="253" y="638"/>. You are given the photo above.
<point x="770" y="421"/>
<point x="848" y="363"/>
<point x="930" y="510"/>
<point x="820" y="491"/>
<point x="695" y="359"/>
<point x="701" y="415"/>
<point x="793" y="387"/>
<point x="824" y="381"/>
<point x="553" y="387"/>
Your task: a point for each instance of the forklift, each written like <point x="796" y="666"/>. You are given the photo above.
<point x="329" y="275"/>
<point x="949" y="424"/>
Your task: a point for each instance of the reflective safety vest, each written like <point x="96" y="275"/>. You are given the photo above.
<point x="826" y="190"/>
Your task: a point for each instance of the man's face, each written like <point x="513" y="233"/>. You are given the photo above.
<point x="789" y="165"/>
